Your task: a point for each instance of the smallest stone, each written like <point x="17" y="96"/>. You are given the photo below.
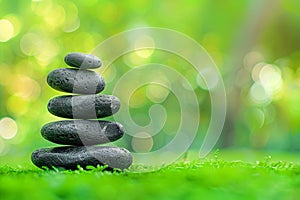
<point x="82" y="61"/>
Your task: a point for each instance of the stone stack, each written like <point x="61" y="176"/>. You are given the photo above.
<point x="84" y="131"/>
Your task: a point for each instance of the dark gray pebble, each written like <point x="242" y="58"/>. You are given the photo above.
<point x="76" y="81"/>
<point x="69" y="157"/>
<point x="82" y="132"/>
<point x="83" y="61"/>
<point x="84" y="106"/>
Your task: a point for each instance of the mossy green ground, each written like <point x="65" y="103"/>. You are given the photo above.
<point x="210" y="178"/>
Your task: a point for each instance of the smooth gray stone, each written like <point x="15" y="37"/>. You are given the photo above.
<point x="83" y="61"/>
<point x="84" y="106"/>
<point x="82" y="132"/>
<point x="69" y="157"/>
<point x="76" y="81"/>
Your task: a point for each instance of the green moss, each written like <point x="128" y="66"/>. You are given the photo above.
<point x="200" y="179"/>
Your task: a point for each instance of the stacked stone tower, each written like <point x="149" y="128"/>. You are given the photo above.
<point x="84" y="131"/>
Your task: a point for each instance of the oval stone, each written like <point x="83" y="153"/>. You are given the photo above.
<point x="76" y="81"/>
<point x="84" y="106"/>
<point x="69" y="157"/>
<point x="82" y="132"/>
<point x="83" y="61"/>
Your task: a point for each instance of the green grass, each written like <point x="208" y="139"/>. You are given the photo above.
<point x="211" y="178"/>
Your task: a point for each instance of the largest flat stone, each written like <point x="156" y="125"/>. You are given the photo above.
<point x="84" y="106"/>
<point x="76" y="81"/>
<point x="82" y="132"/>
<point x="71" y="157"/>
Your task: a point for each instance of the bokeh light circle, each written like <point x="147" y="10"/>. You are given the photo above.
<point x="8" y="128"/>
<point x="6" y="30"/>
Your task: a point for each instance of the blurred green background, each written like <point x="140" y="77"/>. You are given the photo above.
<point x="255" y="44"/>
